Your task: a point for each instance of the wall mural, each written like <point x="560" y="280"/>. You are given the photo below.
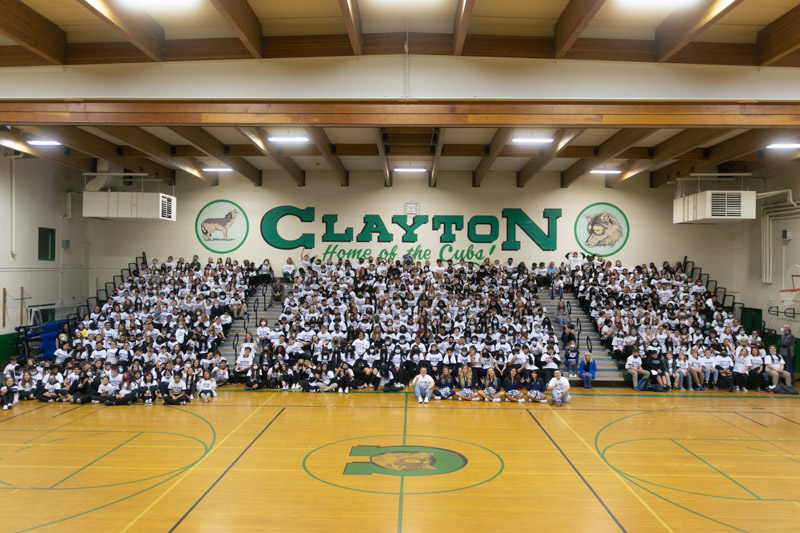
<point x="222" y="226"/>
<point x="602" y="229"/>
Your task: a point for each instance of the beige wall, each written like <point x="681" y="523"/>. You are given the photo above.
<point x="653" y="237"/>
<point x="40" y="193"/>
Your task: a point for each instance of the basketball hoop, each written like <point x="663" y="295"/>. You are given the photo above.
<point x="793" y="294"/>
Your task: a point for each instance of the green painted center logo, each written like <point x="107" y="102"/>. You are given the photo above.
<point x="602" y="229"/>
<point x="404" y="461"/>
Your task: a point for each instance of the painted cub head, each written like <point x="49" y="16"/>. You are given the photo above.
<point x="604" y="230"/>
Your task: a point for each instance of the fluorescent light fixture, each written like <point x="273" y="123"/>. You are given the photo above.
<point x="531" y="140"/>
<point x="161" y="5"/>
<point x="784" y="146"/>
<point x="410" y="170"/>
<point x="44" y="142"/>
<point x="655" y="4"/>
<point x="601" y="171"/>
<point x="288" y="139"/>
<point x="217" y="169"/>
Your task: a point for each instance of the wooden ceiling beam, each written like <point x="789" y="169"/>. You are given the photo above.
<point x="745" y="143"/>
<point x="14" y="140"/>
<point x="763" y="161"/>
<point x="39" y="35"/>
<point x="610" y="149"/>
<point x="152" y="146"/>
<point x="684" y="25"/>
<point x="535" y="164"/>
<point x="779" y="38"/>
<point x="673" y="147"/>
<point x="463" y="16"/>
<point x="243" y="20"/>
<point x="352" y="22"/>
<point x="297" y="46"/>
<point x="289" y="165"/>
<point x="437" y="158"/>
<point x="215" y="148"/>
<point x="500" y="139"/>
<point x="138" y="27"/>
<point x="78" y="139"/>
<point x="323" y="144"/>
<point x="387" y="173"/>
<point x="573" y="20"/>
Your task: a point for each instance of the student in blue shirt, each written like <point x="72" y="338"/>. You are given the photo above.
<point x="445" y="384"/>
<point x="465" y="385"/>
<point x="587" y="370"/>
<point x="512" y="386"/>
<point x="536" y="388"/>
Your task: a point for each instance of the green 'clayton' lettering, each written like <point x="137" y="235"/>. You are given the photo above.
<point x="269" y="227"/>
<point x="374" y="224"/>
<point x="517" y="217"/>
<point x="410" y="234"/>
<point x="330" y="234"/>
<point x="481" y="229"/>
<point x="449" y="222"/>
<point x="404" y="461"/>
<point x="472" y="231"/>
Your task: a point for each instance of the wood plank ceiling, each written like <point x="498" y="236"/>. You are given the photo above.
<point x="726" y="32"/>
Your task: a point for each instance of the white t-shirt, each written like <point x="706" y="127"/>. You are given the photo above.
<point x="426" y="380"/>
<point x="558" y="383"/>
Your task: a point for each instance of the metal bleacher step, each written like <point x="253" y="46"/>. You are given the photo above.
<point x="607" y="371"/>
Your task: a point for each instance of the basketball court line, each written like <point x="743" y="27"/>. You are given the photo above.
<point x="25" y="413"/>
<point x="748" y="419"/>
<point x="65" y="425"/>
<point x="93" y="462"/>
<point x="597" y="496"/>
<point x="209" y="489"/>
<point x="748" y="432"/>
<point x="67" y="411"/>
<point x="715" y="469"/>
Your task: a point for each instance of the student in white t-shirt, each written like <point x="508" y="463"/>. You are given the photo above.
<point x="423" y="385"/>
<point x="559" y="388"/>
<point x="176" y="392"/>
<point x="206" y="387"/>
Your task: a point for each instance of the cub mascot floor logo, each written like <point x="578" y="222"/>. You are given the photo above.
<point x="404" y="461"/>
<point x="403" y="464"/>
<point x="602" y="229"/>
<point x="221" y="226"/>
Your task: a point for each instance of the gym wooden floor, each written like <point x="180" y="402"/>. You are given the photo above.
<point x="611" y="460"/>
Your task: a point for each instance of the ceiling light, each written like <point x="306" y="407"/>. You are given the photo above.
<point x="531" y="140"/>
<point x="288" y="139"/>
<point x="161" y="5"/>
<point x="655" y="4"/>
<point x="410" y="169"/>
<point x="601" y="171"/>
<point x="43" y="142"/>
<point x="217" y="169"/>
<point x="784" y="146"/>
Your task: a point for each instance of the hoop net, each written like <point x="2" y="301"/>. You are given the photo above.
<point x="793" y="294"/>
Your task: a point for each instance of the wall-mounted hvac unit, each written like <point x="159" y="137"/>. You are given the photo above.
<point x="714" y="206"/>
<point x="151" y="205"/>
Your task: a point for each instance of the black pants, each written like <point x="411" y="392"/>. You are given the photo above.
<point x="177" y="400"/>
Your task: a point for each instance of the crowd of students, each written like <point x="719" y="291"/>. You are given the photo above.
<point x="672" y="333"/>
<point x="446" y="330"/>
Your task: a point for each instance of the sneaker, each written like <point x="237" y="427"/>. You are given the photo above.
<point x="419" y="400"/>
<point x="506" y="399"/>
<point x="426" y="399"/>
<point x="476" y="398"/>
<point x="542" y="401"/>
<point x="5" y="407"/>
<point x="744" y="389"/>
<point x="347" y="390"/>
<point x="460" y="399"/>
<point x="435" y="398"/>
<point x="205" y="397"/>
<point x="339" y="390"/>
<point x="183" y="403"/>
<point x="496" y="400"/>
<point x="286" y="387"/>
<point x="191" y="396"/>
<point x="95" y="401"/>
<point x="736" y="388"/>
<point x="148" y="403"/>
<point x="521" y="401"/>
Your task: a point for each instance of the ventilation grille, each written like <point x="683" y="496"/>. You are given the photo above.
<point x="726" y="204"/>
<point x="167" y="207"/>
